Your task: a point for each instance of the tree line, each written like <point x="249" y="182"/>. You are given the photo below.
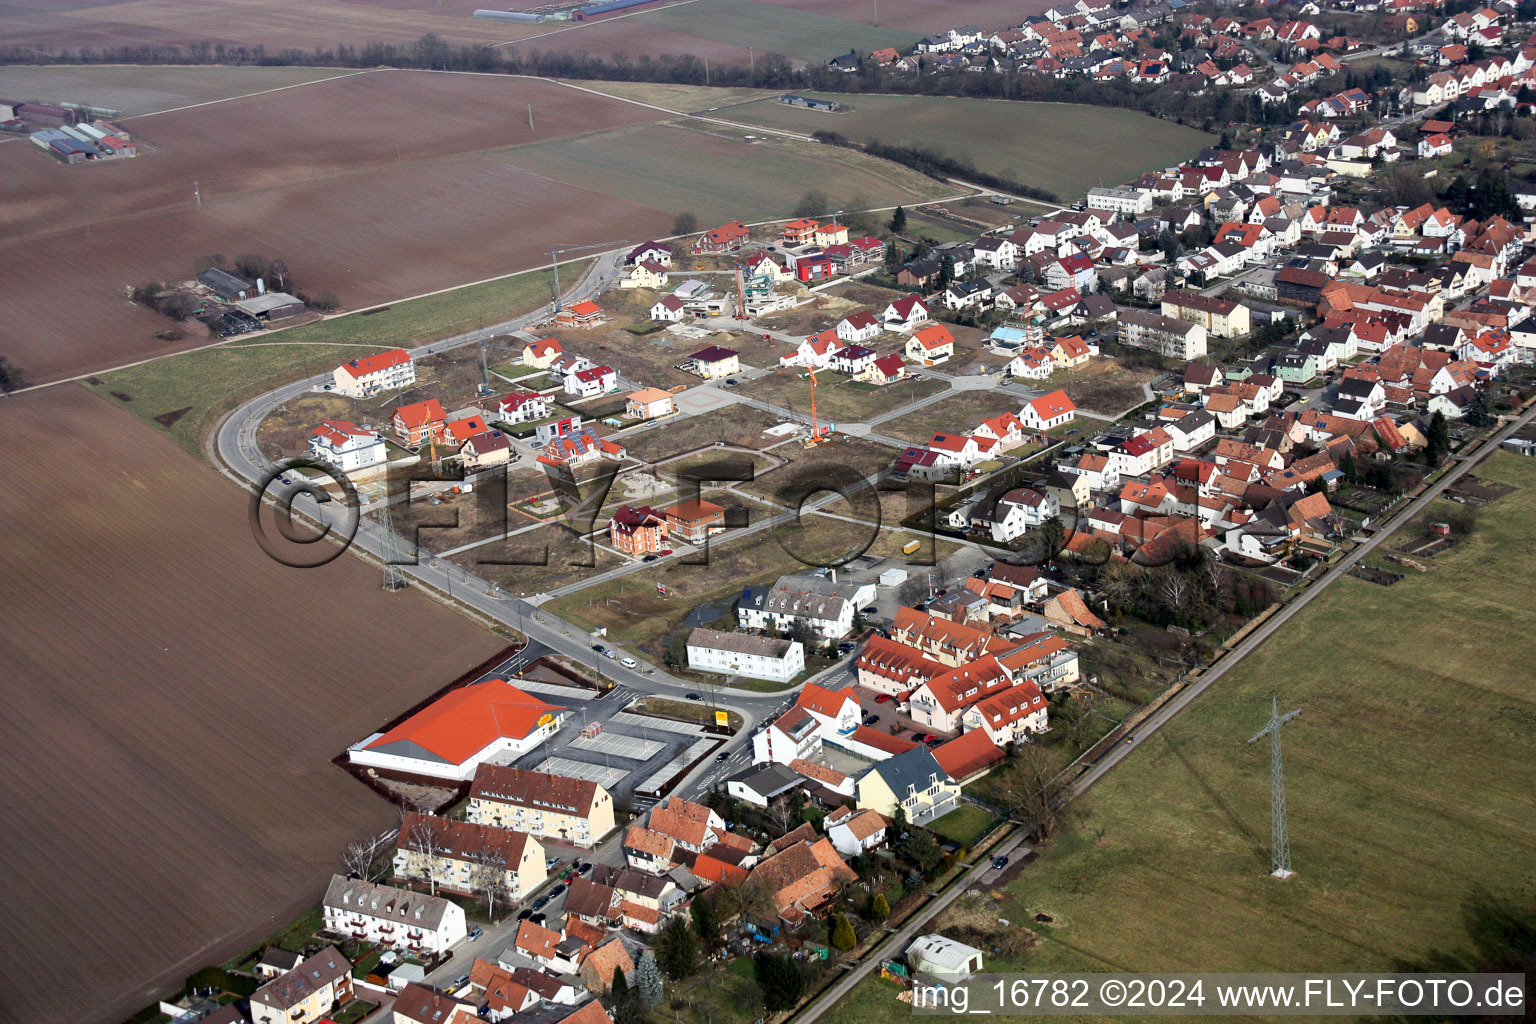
<point x="1177" y="100"/>
<point x="937" y="165"/>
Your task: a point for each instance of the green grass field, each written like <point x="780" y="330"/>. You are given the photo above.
<point x="1064" y="147"/>
<point x="723" y="179"/>
<point x="803" y="35"/>
<point x="1409" y="777"/>
<point x="211" y="382"/>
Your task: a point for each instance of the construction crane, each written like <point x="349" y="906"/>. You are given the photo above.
<point x="556" y="251"/>
<point x="815" y="438"/>
<point x="741" y="296"/>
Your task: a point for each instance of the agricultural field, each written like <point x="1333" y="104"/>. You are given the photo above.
<point x="52" y="24"/>
<point x="623" y="36"/>
<point x="168" y="774"/>
<point x="723" y="179"/>
<point x="186" y="395"/>
<point x="695" y="99"/>
<point x="144" y="89"/>
<point x="795" y="33"/>
<point x="921" y="17"/>
<point x="1412" y="719"/>
<point x="293" y="192"/>
<point x="1087" y="145"/>
<point x="464" y="173"/>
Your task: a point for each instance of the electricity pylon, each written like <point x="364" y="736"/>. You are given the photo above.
<point x="394" y="576"/>
<point x="1279" y="834"/>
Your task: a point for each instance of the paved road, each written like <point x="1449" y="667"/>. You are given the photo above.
<point x="237" y="451"/>
<point x="1165" y="714"/>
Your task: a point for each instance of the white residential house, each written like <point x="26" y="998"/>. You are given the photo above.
<point x="387" y="916"/>
<point x="1021" y="510"/>
<point x="368" y="376"/>
<point x="813" y="351"/>
<point x="1048" y="411"/>
<point x="668" y="310"/>
<point x="645" y="274"/>
<point x="856" y="832"/>
<point x="1098" y="469"/>
<point x="347" y="446"/>
<point x="1010" y="716"/>
<point x="1191" y="430"/>
<point x="519" y="407"/>
<point x="1124" y="201"/>
<point x="905" y="315"/>
<point x="853" y="359"/>
<point x="930" y="346"/>
<point x="745" y="655"/>
<point x="996" y="252"/>
<point x="588" y="383"/>
<point x="859" y="327"/>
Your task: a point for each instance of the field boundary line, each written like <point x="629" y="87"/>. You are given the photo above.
<point x="243" y="96"/>
<point x="231" y="342"/>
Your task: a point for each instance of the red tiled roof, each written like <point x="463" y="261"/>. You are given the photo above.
<point x="970" y="752"/>
<point x="376" y="363"/>
<point x="1052" y="405"/>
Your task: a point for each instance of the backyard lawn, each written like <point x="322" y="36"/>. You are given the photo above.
<point x="964" y="824"/>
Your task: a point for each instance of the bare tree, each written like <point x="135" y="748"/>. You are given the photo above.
<point x="1174" y="590"/>
<point x="1217" y="581"/>
<point x="425" y="834"/>
<point x="1033" y="790"/>
<point x="755" y="900"/>
<point x="1118" y="583"/>
<point x="490" y="877"/>
<point x="360" y="855"/>
<point x="782" y="814"/>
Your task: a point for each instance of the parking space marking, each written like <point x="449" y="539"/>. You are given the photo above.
<point x="603" y="775"/>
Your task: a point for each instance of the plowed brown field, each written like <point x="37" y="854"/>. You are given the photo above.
<point x="173" y="698"/>
<point x="376" y="187"/>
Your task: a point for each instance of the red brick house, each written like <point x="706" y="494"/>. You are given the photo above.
<point x="638" y="530"/>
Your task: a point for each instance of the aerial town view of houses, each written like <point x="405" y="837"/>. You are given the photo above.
<point x="739" y="512"/>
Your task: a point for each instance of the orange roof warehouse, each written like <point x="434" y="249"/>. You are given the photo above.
<point x="455" y="734"/>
